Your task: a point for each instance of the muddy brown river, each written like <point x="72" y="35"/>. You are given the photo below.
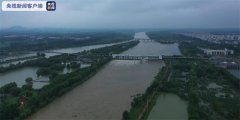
<point x="107" y="94"/>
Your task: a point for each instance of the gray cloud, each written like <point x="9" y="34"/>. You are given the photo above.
<point x="131" y="14"/>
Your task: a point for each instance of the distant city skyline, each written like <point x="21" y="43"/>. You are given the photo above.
<point x="125" y="14"/>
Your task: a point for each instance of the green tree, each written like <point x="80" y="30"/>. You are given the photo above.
<point x="125" y="115"/>
<point x="29" y="81"/>
<point x="9" y="109"/>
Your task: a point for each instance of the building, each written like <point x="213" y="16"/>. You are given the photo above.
<point x="218" y="52"/>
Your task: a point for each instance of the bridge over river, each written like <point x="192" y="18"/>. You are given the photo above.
<point x="135" y="57"/>
<point x="151" y="57"/>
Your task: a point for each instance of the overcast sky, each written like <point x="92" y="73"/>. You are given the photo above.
<point x="131" y="14"/>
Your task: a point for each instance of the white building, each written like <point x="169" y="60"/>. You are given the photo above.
<point x="218" y="52"/>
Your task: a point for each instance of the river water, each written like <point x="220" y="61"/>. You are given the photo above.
<point x="20" y="75"/>
<point x="107" y="94"/>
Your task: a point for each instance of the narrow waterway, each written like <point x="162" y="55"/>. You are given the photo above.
<point x="107" y="94"/>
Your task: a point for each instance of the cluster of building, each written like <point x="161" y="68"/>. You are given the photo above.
<point x="227" y="38"/>
<point x="218" y="57"/>
<point x="228" y="63"/>
<point x="212" y="52"/>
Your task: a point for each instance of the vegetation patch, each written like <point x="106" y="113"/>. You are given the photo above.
<point x="18" y="103"/>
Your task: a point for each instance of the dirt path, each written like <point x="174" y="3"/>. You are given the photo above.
<point x="146" y="106"/>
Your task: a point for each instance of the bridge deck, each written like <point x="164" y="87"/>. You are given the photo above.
<point x="151" y="57"/>
<point x="135" y="57"/>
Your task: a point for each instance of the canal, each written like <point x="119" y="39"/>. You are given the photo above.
<point x="169" y="107"/>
